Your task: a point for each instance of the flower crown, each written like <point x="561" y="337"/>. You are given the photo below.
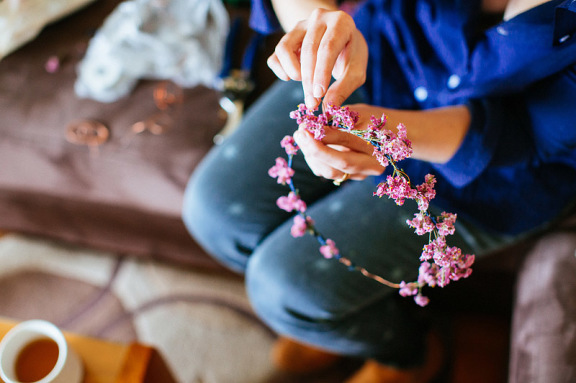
<point x="440" y="263"/>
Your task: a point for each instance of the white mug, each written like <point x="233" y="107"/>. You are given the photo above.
<point x="67" y="368"/>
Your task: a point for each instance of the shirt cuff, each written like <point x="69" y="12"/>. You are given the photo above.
<point x="477" y="148"/>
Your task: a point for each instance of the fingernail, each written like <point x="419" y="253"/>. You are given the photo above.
<point x="318" y="91"/>
<point x="299" y="137"/>
<point x="311" y="102"/>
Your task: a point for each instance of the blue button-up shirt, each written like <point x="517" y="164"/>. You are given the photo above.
<point x="516" y="168"/>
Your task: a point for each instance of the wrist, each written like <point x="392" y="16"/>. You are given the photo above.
<point x="290" y="12"/>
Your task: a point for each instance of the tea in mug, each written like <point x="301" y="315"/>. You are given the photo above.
<point x="36" y="360"/>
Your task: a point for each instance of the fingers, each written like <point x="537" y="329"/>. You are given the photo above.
<point x="349" y="71"/>
<point x="285" y="61"/>
<point x="274" y="64"/>
<point x="332" y="162"/>
<point x="331" y="48"/>
<point x="317" y="48"/>
<point x="336" y="138"/>
<point x="309" y="56"/>
<point x="353" y="78"/>
<point x="327" y="37"/>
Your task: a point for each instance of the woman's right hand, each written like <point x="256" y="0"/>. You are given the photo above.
<point x="326" y="44"/>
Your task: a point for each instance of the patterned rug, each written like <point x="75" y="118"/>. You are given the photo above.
<point x="197" y="321"/>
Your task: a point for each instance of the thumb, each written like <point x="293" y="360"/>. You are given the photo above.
<point x="340" y="90"/>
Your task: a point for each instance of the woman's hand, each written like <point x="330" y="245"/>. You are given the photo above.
<point x="339" y="153"/>
<point x="326" y="44"/>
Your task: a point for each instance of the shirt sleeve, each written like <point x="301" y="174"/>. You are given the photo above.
<point x="476" y="150"/>
<point x="498" y="136"/>
<point x="532" y="128"/>
<point x="262" y="17"/>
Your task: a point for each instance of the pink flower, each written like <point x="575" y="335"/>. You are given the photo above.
<point x="422" y="223"/>
<point x="291" y="202"/>
<point x="445" y="257"/>
<point x="461" y="266"/>
<point x="460" y="273"/>
<point x="445" y="224"/>
<point x="317" y="130"/>
<point x="289" y="145"/>
<point x="408" y="289"/>
<point x="302" y="114"/>
<point x="432" y="247"/>
<point x="426" y="192"/>
<point x="381" y="156"/>
<point x="427" y="274"/>
<point x="341" y="117"/>
<point x="421" y="300"/>
<point x="399" y="147"/>
<point x="397" y="188"/>
<point x="377" y="124"/>
<point x="329" y="250"/>
<point x="466" y="260"/>
<point x="300" y="226"/>
<point x="281" y="171"/>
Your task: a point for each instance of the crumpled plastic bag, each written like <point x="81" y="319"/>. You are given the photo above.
<point x="178" y="40"/>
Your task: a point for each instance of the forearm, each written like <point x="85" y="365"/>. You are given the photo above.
<point x="289" y="12"/>
<point x="436" y="134"/>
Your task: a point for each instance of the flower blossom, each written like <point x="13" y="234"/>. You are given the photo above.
<point x="374" y="132"/>
<point x="397" y="187"/>
<point x="377" y="125"/>
<point x="422" y="223"/>
<point x="427" y="274"/>
<point x="289" y="145"/>
<point x="445" y="223"/>
<point x="301" y="225"/>
<point x="281" y="171"/>
<point x="421" y="300"/>
<point x="432" y="247"/>
<point x="408" y="289"/>
<point x="291" y="202"/>
<point x="341" y="117"/>
<point x="302" y="114"/>
<point x="381" y="156"/>
<point x="398" y="146"/>
<point x="329" y="250"/>
<point x="446" y="256"/>
<point x="426" y="192"/>
<point x="314" y="124"/>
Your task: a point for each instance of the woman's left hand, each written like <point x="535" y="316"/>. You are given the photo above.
<point x="338" y="154"/>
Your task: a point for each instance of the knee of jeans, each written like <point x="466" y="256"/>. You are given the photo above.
<point x="206" y="218"/>
<point x="283" y="299"/>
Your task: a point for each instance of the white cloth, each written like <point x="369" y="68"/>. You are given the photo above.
<point x="21" y="21"/>
<point x="178" y="40"/>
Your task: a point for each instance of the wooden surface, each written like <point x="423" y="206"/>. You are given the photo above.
<point x="105" y="362"/>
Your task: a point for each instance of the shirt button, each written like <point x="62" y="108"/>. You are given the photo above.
<point x="563" y="39"/>
<point x="420" y="93"/>
<point x="453" y="81"/>
<point x="501" y="30"/>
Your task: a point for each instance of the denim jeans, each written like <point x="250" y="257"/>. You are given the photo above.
<point x="230" y="209"/>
